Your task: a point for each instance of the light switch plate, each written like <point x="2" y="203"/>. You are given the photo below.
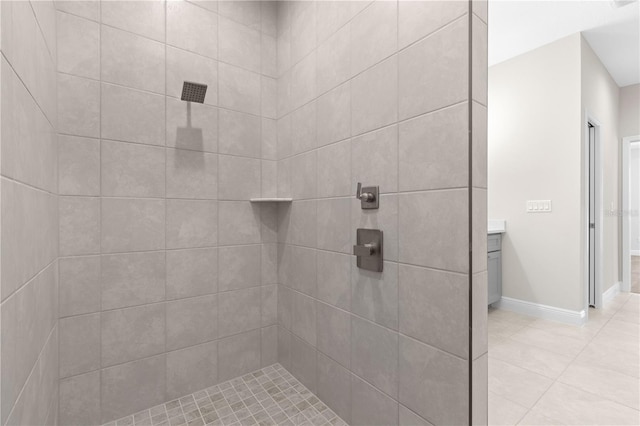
<point x="539" y="206"/>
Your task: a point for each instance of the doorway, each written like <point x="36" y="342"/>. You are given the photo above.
<point x="593" y="213"/>
<point x="631" y="214"/>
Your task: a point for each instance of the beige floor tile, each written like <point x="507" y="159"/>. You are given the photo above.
<point x="504" y="412"/>
<point x="538" y="360"/>
<point x="508" y="317"/>
<point x="516" y="384"/>
<point x="627" y="315"/>
<point x="536" y="418"/>
<point x="582" y="333"/>
<point x="625" y="327"/>
<point x="603" y="382"/>
<point x="598" y="353"/>
<point x="572" y="406"/>
<point x="563" y="345"/>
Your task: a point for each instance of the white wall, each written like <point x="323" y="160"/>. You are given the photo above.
<point x="629" y="110"/>
<point x="600" y="99"/>
<point x="535" y="153"/>
<point x="537" y="104"/>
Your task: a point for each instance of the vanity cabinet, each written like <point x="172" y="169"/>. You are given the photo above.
<point x="494" y="267"/>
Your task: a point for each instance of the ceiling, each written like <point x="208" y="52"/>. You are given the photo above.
<point x="612" y="29"/>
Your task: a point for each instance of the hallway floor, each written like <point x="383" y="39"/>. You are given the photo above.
<point x="544" y="373"/>
<point x="271" y="396"/>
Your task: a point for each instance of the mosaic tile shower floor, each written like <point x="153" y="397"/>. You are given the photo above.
<point x="267" y="397"/>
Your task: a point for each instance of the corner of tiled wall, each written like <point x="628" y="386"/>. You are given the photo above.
<point x="479" y="82"/>
<point x="29" y="214"/>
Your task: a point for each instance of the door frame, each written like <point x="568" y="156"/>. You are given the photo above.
<point x="626" y="187"/>
<point x="599" y="211"/>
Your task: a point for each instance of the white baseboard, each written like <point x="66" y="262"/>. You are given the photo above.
<point x="612" y="292"/>
<point x="542" y="311"/>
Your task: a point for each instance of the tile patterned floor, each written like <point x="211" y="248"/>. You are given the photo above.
<point x="271" y="396"/>
<point x="547" y="373"/>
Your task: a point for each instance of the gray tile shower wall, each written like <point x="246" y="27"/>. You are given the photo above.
<point x="168" y="280"/>
<point x="388" y="93"/>
<point x="29" y="214"/>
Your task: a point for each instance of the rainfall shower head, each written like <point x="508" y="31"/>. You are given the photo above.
<point x="193" y="92"/>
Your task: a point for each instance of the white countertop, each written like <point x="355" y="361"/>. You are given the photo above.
<point x="497" y="226"/>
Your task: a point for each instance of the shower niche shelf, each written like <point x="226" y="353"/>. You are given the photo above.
<point x="271" y="200"/>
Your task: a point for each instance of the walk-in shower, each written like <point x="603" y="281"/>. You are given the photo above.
<point x="168" y="262"/>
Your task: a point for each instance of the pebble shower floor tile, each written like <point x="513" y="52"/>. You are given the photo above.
<point x="267" y="397"/>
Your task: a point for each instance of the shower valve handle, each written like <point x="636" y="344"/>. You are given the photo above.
<point x="364" y="196"/>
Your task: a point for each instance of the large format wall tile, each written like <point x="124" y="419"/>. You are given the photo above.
<point x="239" y="45"/>
<point x="29" y="215"/>
<point x="437" y="298"/>
<point x="191" y="369"/>
<point x="131" y="60"/>
<point x="132" y="170"/>
<point x="434" y="72"/>
<point x="334" y="333"/>
<point x="132" y="116"/>
<point x="191" y="126"/>
<point x="239" y="311"/>
<point x="191" y="174"/>
<point x="334" y="170"/>
<point x="374" y="295"/>
<point x="334" y="279"/>
<point x="132" y="225"/>
<point x="132" y="333"/>
<point x="191" y="223"/>
<point x="191" y="272"/>
<point x="434" y="384"/>
<point x="78" y="166"/>
<point x="242" y="221"/>
<point x="239" y="178"/>
<point x="186" y="25"/>
<point x="78" y="106"/>
<point x="78" y="46"/>
<point x="334" y="112"/>
<point x="371" y="407"/>
<point x="374" y="95"/>
<point x="79" y="225"/>
<point x="80" y="399"/>
<point x="132" y="279"/>
<point x="240" y="267"/>
<point x="374" y="160"/>
<point x="374" y="35"/>
<point x="131" y="387"/>
<point x="191" y="321"/>
<point x="418" y="19"/>
<point x="374" y="355"/>
<point x="238" y="355"/>
<point x="442" y="242"/>
<point x="239" y="134"/>
<point x="79" y="344"/>
<point x="433" y="150"/>
<point x="139" y="17"/>
<point x="334" y="386"/>
<point x="239" y="89"/>
<point x="79" y="290"/>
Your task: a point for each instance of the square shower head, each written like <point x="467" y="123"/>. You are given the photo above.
<point x="193" y="92"/>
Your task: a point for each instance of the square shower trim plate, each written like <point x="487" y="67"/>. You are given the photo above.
<point x="268" y="397"/>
